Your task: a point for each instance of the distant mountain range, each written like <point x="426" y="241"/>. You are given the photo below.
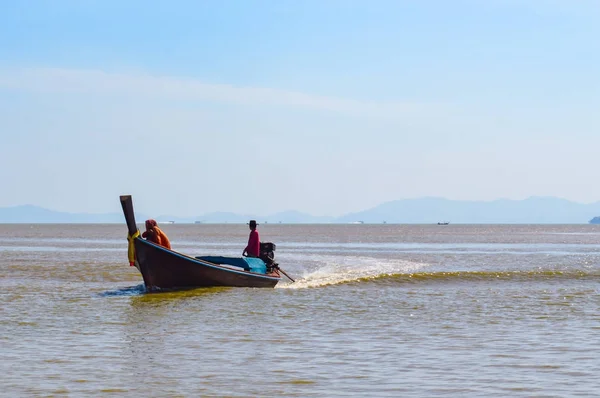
<point x="534" y="210"/>
<point x="429" y="210"/>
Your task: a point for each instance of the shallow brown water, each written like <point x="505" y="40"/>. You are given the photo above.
<point x="378" y="310"/>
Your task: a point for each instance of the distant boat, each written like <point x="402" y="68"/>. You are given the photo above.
<point x="443" y="223"/>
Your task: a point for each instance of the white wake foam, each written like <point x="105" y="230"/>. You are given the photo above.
<point x="331" y="270"/>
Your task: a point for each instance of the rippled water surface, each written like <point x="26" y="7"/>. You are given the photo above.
<point x="377" y="310"/>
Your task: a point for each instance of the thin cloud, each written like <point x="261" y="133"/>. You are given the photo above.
<point x="100" y="83"/>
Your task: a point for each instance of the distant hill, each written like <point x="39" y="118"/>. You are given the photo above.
<point x="297" y="217"/>
<point x="35" y="214"/>
<point x="223" y="217"/>
<point x="430" y="210"/>
<point x="287" y="217"/>
<point x="534" y="210"/>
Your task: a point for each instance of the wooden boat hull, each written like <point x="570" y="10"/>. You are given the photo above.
<point x="162" y="268"/>
<point x="167" y="269"/>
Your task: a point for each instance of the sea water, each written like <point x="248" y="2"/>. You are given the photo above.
<point x="376" y="310"/>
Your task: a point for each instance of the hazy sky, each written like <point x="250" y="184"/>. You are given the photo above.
<point x="320" y="106"/>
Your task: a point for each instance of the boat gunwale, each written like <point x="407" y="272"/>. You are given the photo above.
<point x="207" y="263"/>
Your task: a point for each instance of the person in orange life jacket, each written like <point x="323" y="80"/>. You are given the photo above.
<point x="155" y="234"/>
<point x="253" y="248"/>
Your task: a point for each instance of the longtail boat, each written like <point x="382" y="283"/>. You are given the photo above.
<point x="162" y="268"/>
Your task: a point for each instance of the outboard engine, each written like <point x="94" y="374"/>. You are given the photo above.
<point x="267" y="254"/>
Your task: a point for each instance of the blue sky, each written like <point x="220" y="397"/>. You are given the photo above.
<point x="325" y="107"/>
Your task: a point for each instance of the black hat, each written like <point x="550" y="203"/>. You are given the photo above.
<point x="252" y="223"/>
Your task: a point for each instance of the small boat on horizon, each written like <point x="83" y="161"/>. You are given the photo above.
<point x="443" y="223"/>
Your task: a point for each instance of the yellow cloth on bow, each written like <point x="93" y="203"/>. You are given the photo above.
<point x="131" y="247"/>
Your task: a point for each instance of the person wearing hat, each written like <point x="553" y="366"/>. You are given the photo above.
<point x="253" y="248"/>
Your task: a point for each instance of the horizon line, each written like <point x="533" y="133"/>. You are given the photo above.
<point x="310" y="214"/>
